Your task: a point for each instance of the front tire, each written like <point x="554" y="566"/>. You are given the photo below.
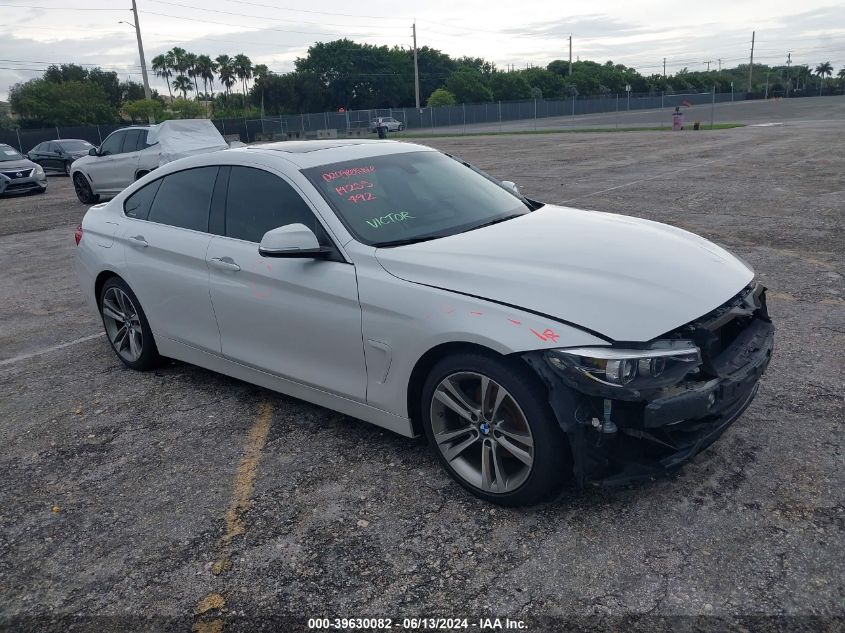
<point x="126" y="326"/>
<point x="490" y="426"/>
<point x="83" y="190"/>
<point x="67" y="168"/>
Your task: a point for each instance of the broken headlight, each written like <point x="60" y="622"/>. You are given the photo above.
<point x="603" y="369"/>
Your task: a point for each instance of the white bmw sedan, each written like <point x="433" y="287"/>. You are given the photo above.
<point x="530" y="343"/>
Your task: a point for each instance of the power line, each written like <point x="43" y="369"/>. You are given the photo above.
<point x="30" y="6"/>
<point x="246" y="26"/>
<point x="260" y="17"/>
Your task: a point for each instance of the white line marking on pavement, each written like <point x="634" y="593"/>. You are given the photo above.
<point x="655" y="177"/>
<point x="54" y="348"/>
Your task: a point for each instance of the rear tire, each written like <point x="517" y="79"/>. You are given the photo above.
<point x="83" y="190"/>
<point x="126" y="326"/>
<point x="490" y="426"/>
<point x="141" y="174"/>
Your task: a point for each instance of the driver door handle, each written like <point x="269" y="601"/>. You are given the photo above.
<point x="224" y="263"/>
<point x="138" y="240"/>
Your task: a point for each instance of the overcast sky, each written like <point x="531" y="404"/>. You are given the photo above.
<point x="34" y="33"/>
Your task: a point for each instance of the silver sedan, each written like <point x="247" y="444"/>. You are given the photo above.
<point x="531" y="343"/>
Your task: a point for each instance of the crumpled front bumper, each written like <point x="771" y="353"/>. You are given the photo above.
<point x="655" y="436"/>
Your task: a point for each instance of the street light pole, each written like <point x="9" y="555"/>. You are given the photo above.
<point x="416" y="69"/>
<point x="147" y="94"/>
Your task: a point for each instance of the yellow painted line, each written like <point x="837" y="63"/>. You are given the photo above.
<point x="235" y="518"/>
<point x="211" y="601"/>
<point x="247" y="471"/>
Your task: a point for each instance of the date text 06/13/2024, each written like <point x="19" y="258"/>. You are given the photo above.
<point x="417" y="624"/>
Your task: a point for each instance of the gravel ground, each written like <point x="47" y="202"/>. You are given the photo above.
<point x="180" y="499"/>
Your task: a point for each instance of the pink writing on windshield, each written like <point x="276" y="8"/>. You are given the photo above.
<point x="346" y="173"/>
<point x="358" y="185"/>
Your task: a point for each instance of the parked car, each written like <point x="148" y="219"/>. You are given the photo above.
<point x="18" y="174"/>
<point x="57" y="156"/>
<point x="393" y="283"/>
<point x="130" y="153"/>
<point x="388" y="122"/>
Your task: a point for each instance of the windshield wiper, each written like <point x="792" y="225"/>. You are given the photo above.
<point x="496" y="221"/>
<point x="409" y="240"/>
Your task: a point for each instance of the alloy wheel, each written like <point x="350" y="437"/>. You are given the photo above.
<point x="123" y="325"/>
<point x="83" y="190"/>
<point x="482" y="432"/>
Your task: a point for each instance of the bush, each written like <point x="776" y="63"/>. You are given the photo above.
<point x="185" y="109"/>
<point x="142" y="109"/>
<point x="441" y="97"/>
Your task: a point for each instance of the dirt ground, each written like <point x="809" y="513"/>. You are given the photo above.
<point x="181" y="499"/>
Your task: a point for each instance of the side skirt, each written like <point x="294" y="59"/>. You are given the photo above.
<point x="174" y="349"/>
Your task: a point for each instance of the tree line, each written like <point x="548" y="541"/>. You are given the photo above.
<point x="346" y="74"/>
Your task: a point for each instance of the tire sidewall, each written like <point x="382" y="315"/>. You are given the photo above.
<point x="91" y="197"/>
<point x="149" y="355"/>
<point x="551" y="451"/>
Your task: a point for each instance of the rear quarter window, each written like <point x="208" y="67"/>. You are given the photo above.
<point x="139" y="203"/>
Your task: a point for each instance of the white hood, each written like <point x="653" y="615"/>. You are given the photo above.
<point x="625" y="278"/>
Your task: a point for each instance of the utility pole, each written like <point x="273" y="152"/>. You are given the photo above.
<point x="720" y="64"/>
<point x="788" y="74"/>
<point x="570" y="55"/>
<point x="751" y="63"/>
<point x="416" y="67"/>
<point x="708" y="62"/>
<point x="664" y="68"/>
<point x="147" y="94"/>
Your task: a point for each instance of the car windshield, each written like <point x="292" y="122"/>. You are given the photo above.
<point x="7" y="153"/>
<point x="75" y="146"/>
<point x="404" y="198"/>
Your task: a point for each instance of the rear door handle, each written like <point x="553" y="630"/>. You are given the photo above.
<point x="138" y="240"/>
<point x="224" y="263"/>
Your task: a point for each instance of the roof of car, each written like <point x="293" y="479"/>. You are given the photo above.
<point x="312" y="153"/>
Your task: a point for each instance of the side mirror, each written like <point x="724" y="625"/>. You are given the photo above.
<point x="511" y="186"/>
<point x="292" y="240"/>
<point x="93" y="152"/>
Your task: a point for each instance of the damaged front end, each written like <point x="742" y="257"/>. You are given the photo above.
<point x="635" y="412"/>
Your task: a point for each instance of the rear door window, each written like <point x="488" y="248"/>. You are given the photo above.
<point x="184" y="199"/>
<point x="130" y="141"/>
<point x="139" y="203"/>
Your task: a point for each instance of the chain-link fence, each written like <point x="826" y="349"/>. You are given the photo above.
<point x="357" y="122"/>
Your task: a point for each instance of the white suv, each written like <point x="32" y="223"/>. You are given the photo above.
<point x="128" y="154"/>
<point x="388" y="122"/>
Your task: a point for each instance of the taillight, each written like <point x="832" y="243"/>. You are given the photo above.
<point x="77" y="234"/>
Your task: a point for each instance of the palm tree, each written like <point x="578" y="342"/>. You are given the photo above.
<point x="161" y="68"/>
<point x="206" y="68"/>
<point x="260" y="71"/>
<point x="243" y="69"/>
<point x="226" y="72"/>
<point x="825" y="69"/>
<point x="183" y="85"/>
<point x="191" y="70"/>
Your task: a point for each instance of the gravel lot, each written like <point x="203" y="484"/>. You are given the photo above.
<point x="181" y="499"/>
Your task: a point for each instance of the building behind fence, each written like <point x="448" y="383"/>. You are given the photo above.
<point x="307" y="125"/>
